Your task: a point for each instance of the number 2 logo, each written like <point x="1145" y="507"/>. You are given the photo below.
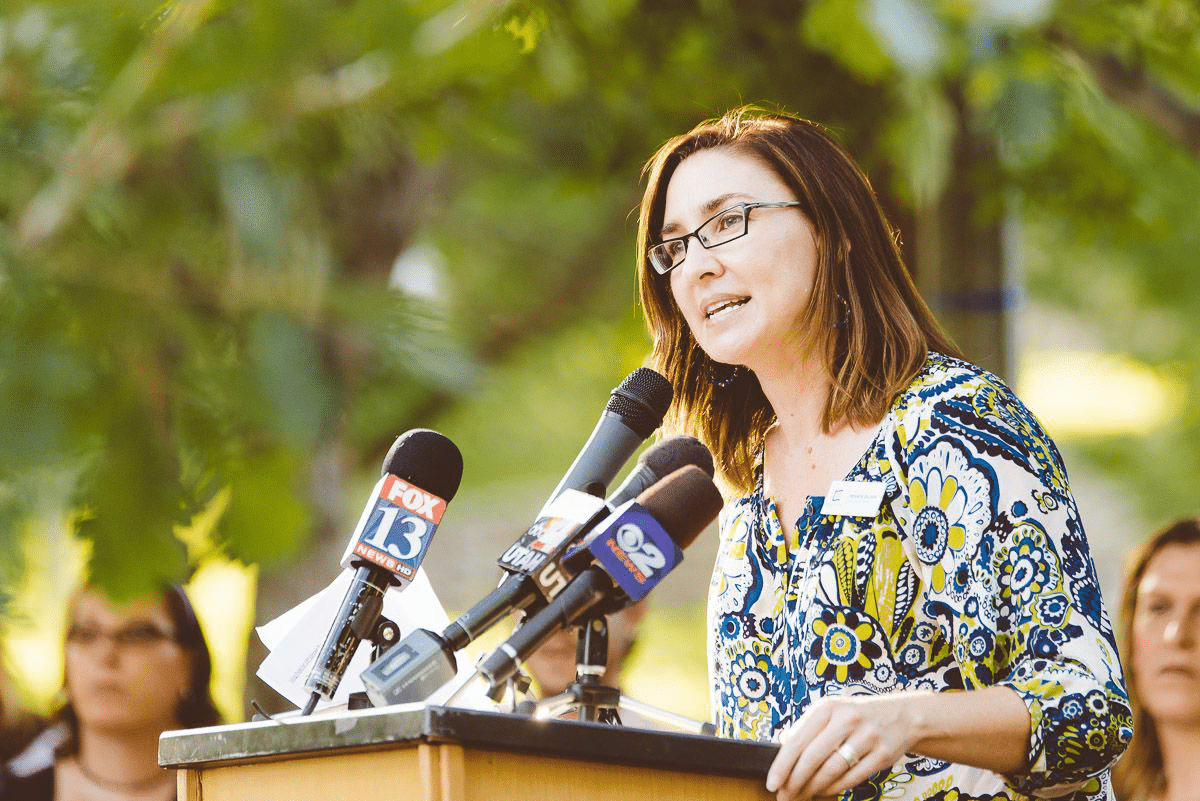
<point x="644" y="554"/>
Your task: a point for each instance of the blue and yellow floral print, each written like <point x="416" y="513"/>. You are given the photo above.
<point x="974" y="573"/>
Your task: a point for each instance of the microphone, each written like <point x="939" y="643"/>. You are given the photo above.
<point x="654" y="464"/>
<point x="634" y="550"/>
<point x="567" y="517"/>
<point x="635" y="408"/>
<point x="539" y="565"/>
<point x="660" y="460"/>
<point x="423" y="661"/>
<point x="420" y="476"/>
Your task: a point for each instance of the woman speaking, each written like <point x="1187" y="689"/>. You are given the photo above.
<point x="903" y="595"/>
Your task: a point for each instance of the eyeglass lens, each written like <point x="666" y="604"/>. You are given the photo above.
<point x="134" y="634"/>
<point x="723" y="227"/>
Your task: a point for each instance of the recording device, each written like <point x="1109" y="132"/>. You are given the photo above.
<point x="659" y="461"/>
<point x="654" y="465"/>
<point x="566" y="518"/>
<point x="632" y="551"/>
<point x="423" y="661"/>
<point x="634" y="409"/>
<point x="420" y="476"/>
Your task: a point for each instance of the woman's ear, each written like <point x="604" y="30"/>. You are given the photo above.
<point x="187" y="705"/>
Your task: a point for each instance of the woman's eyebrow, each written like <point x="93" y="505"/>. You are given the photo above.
<point x="708" y="209"/>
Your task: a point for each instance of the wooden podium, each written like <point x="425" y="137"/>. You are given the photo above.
<point x="430" y="753"/>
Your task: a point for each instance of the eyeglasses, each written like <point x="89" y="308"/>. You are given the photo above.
<point x="724" y="226"/>
<point x="135" y="635"/>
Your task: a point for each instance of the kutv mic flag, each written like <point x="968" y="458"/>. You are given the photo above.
<point x="553" y="532"/>
<point x="396" y="527"/>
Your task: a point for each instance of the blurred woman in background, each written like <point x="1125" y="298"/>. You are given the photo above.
<point x="133" y="671"/>
<point x="1161" y="637"/>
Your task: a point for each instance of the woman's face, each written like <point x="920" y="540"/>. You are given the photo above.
<point x="744" y="300"/>
<point x="1166" y="636"/>
<point x="125" y="673"/>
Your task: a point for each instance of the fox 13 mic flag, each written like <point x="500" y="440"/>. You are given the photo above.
<point x="420" y="475"/>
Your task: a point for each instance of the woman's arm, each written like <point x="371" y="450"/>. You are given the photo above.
<point x="986" y="728"/>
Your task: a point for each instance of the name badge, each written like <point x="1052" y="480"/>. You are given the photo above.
<point x="853" y="498"/>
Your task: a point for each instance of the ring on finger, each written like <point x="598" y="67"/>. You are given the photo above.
<point x="847" y="753"/>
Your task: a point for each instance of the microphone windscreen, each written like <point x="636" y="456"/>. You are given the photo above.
<point x="641" y="400"/>
<point x="428" y="460"/>
<point x="671" y="454"/>
<point x="683" y="503"/>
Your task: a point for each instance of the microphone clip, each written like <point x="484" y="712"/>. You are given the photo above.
<point x="382" y="636"/>
<point x="385" y="634"/>
<point x="513" y="687"/>
<point x="596" y="702"/>
<point x="590" y="699"/>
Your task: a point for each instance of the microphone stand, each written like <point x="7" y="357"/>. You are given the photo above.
<point x="598" y="703"/>
<point x="383" y="636"/>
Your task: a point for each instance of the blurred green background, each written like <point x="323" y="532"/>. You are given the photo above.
<point x="244" y="245"/>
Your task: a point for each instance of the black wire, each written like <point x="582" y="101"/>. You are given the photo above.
<point x="311" y="705"/>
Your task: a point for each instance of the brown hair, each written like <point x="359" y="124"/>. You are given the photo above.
<point x="1138" y="775"/>
<point x="867" y="317"/>
<point x="17" y="724"/>
<point x="196" y="707"/>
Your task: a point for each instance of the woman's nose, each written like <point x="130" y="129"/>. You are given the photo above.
<point x="1180" y="630"/>
<point x="700" y="261"/>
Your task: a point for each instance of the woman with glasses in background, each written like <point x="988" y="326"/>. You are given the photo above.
<point x="132" y="672"/>
<point x="1160" y="624"/>
<point x="901" y="525"/>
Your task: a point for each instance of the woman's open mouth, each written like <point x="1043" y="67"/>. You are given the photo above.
<point x="723" y="307"/>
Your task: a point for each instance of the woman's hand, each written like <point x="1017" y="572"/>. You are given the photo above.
<point x="839" y="742"/>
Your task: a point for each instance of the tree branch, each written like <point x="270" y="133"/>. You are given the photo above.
<point x="1133" y="88"/>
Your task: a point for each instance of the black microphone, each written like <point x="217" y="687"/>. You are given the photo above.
<point x="654" y="464"/>
<point x="634" y="410"/>
<point x="423" y="661"/>
<point x="659" y="461"/>
<point x="634" y="550"/>
<point x="421" y="474"/>
<point x="567" y="518"/>
<point x="540" y="564"/>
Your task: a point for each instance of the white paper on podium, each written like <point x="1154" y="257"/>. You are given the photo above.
<point x="295" y="637"/>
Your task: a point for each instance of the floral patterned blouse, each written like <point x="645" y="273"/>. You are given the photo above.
<point x="974" y="572"/>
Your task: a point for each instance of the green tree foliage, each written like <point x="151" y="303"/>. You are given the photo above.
<point x="201" y="204"/>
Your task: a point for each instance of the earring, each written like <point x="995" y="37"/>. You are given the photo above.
<point x="725" y="377"/>
<point x="845" y="311"/>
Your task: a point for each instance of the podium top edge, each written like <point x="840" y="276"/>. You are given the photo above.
<point x="416" y="723"/>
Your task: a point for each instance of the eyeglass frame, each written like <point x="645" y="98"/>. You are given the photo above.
<point x="746" y="209"/>
<point x="141" y="634"/>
